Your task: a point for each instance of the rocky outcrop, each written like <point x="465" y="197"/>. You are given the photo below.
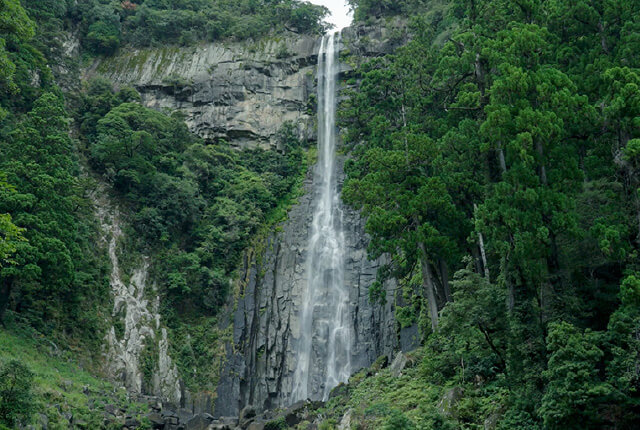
<point x="136" y="337"/>
<point x="240" y="92"/>
<point x="260" y="366"/>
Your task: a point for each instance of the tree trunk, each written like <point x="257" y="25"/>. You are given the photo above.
<point x="483" y="254"/>
<point x="603" y="38"/>
<point x="503" y="163"/>
<point x="511" y="298"/>
<point x="543" y="169"/>
<point x="477" y="259"/>
<point x="637" y="199"/>
<point x="444" y="275"/>
<point x="404" y="131"/>
<point x="427" y="284"/>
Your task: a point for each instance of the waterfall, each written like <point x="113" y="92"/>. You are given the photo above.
<point x="324" y="346"/>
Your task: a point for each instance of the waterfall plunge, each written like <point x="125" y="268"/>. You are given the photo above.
<point x="324" y="346"/>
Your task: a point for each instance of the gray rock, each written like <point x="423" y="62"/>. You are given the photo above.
<point x="345" y="422"/>
<point x="449" y="400"/>
<point x="296" y="413"/>
<point x="199" y="422"/>
<point x="218" y="425"/>
<point x="491" y="422"/>
<point x="43" y="421"/>
<point x="247" y="414"/>
<point x="132" y="423"/>
<point x="226" y="90"/>
<point x="398" y="365"/>
<point x="157" y="421"/>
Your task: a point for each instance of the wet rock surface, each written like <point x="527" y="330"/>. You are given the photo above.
<point x="260" y="366"/>
<point x="240" y="92"/>
<point x="266" y="321"/>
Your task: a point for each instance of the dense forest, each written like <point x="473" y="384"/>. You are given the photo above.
<point x="495" y="157"/>
<point x="499" y="168"/>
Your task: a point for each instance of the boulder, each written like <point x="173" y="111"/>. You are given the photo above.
<point x="247" y="414"/>
<point x="296" y="413"/>
<point x="398" y="365"/>
<point x="43" y="421"/>
<point x="199" y="422"/>
<point x="111" y="409"/>
<point x="132" y="423"/>
<point x="157" y="422"/>
<point x="449" y="400"/>
<point x="345" y="422"/>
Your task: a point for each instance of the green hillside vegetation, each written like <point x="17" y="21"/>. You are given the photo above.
<point x="500" y="171"/>
<point x="40" y="384"/>
<point x="105" y="25"/>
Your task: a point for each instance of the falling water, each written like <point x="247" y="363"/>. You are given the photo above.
<point x="324" y="347"/>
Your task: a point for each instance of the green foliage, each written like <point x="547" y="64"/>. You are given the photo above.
<point x="504" y="149"/>
<point x="16" y="402"/>
<point x="278" y="424"/>
<point x="59" y="385"/>
<point x="10" y="234"/>
<point x="15" y="26"/>
<point x="574" y="391"/>
<point x="103" y="38"/>
<point x="106" y="25"/>
<point x="53" y="268"/>
<point x="195" y="208"/>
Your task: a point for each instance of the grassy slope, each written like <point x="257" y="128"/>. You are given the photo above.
<point x="61" y="386"/>
<point x="376" y="399"/>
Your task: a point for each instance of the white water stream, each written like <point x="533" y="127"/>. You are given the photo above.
<point x="324" y="346"/>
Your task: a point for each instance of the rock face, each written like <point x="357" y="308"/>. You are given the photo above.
<point x="240" y="92"/>
<point x="260" y="367"/>
<point x="266" y="322"/>
<point x="244" y="93"/>
<point x="136" y="333"/>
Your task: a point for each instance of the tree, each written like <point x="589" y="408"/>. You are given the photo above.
<point x="16" y="402"/>
<point x="574" y="393"/>
<point x="10" y="234"/>
<point x="14" y="22"/>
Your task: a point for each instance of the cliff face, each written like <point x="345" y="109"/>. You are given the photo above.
<point x="240" y="92"/>
<point x="266" y="322"/>
<point x="244" y="93"/>
<point x="136" y="334"/>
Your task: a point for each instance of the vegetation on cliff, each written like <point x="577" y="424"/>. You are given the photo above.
<point x="104" y="25"/>
<point x="499" y="169"/>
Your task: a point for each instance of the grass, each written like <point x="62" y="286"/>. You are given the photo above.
<point x="375" y="396"/>
<point x="61" y="386"/>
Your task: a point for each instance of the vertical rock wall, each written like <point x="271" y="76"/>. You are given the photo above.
<point x="260" y="365"/>
<point x="266" y="327"/>
<point x="136" y="334"/>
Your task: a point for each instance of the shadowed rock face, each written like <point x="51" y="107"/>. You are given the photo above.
<point x="266" y="324"/>
<point x="240" y="92"/>
<point x="261" y="365"/>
